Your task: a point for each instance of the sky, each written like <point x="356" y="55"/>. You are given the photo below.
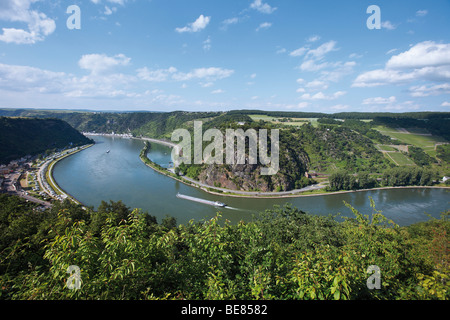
<point x="203" y="55"/>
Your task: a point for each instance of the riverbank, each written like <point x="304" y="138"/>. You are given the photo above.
<point x="46" y="173"/>
<point x="310" y="191"/>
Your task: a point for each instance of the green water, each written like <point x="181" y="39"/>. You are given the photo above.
<point x="94" y="175"/>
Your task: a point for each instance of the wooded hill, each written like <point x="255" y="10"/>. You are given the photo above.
<point x="26" y="136"/>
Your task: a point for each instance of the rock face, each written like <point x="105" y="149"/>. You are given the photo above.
<point x="247" y="177"/>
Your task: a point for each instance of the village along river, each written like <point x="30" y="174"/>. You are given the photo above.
<point x="95" y="174"/>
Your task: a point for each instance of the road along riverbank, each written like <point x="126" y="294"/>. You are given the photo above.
<point x="48" y="183"/>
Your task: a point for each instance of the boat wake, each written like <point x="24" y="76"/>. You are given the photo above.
<point x="207" y="202"/>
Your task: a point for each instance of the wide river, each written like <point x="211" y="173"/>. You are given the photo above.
<point x="94" y="175"/>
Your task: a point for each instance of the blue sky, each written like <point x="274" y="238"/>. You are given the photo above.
<point x="203" y="55"/>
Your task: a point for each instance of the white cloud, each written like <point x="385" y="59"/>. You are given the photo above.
<point x="317" y="85"/>
<point x="445" y="104"/>
<point x="218" y="91"/>
<point x="262" y="7"/>
<point x="196" y="26"/>
<point x="313" y="38"/>
<point x="388" y="25"/>
<point x="424" y="54"/>
<point x="391" y="51"/>
<point x="322" y="50"/>
<point x="109" y="11"/>
<point x="312" y="65"/>
<point x="381" y="77"/>
<point x="321" y="96"/>
<point x="120" y="2"/>
<point x="421" y="13"/>
<point x="264" y="25"/>
<point x="24" y="78"/>
<point x="434" y="90"/>
<point x="207" y="44"/>
<point x="298" y="52"/>
<point x="228" y="22"/>
<point x="207" y="84"/>
<point x="355" y="56"/>
<point x="379" y="100"/>
<point x="39" y="25"/>
<point x="210" y="74"/>
<point x="427" y="61"/>
<point x="33" y="87"/>
<point x="159" y="75"/>
<point x="29" y="80"/>
<point x="99" y="63"/>
<point x="339" y="69"/>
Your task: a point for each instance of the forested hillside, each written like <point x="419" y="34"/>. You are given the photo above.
<point x="27" y="136"/>
<point x="283" y="254"/>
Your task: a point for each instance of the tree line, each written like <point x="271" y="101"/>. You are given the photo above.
<point x="283" y="254"/>
<point x="393" y="177"/>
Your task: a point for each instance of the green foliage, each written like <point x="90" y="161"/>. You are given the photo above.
<point x="21" y="136"/>
<point x="339" y="147"/>
<point x="420" y="157"/>
<point x="283" y="254"/>
<point x="408" y="176"/>
<point x="443" y="152"/>
<point x="342" y="180"/>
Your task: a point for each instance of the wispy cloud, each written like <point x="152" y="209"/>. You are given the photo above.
<point x="388" y="25"/>
<point x="421" y="13"/>
<point x="263" y="26"/>
<point x="99" y="63"/>
<point x="262" y="7"/>
<point x="321" y="96"/>
<point x="196" y="26"/>
<point x="379" y="100"/>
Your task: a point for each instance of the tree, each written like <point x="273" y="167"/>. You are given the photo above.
<point x="342" y="180"/>
<point x="365" y="181"/>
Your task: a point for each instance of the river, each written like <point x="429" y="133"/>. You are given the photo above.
<point x="94" y="175"/>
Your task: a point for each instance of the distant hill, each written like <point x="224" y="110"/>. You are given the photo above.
<point x="26" y="136"/>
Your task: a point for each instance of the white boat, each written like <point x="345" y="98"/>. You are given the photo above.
<point x="219" y="204"/>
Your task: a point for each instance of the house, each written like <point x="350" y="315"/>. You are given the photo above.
<point x="310" y="175"/>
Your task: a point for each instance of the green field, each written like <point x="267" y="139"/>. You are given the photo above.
<point x="400" y="159"/>
<point x="386" y="148"/>
<point x="415" y="136"/>
<point x="278" y="120"/>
